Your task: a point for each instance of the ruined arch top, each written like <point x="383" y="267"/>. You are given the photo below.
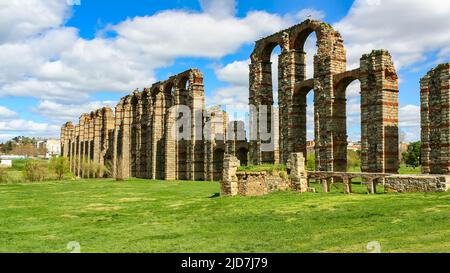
<point x="294" y="38"/>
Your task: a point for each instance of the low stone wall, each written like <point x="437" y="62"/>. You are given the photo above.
<point x="416" y="183"/>
<point x="260" y="183"/>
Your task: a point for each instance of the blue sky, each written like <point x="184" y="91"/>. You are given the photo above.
<point x="58" y="60"/>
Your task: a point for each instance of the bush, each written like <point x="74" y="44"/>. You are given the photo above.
<point x="353" y="160"/>
<point x="311" y="162"/>
<point x="270" y="168"/>
<point x="60" y="165"/>
<point x="412" y="155"/>
<point x="3" y="175"/>
<point x="35" y="170"/>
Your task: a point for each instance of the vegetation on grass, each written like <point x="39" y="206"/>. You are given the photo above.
<point x="311" y="162"/>
<point x="35" y="170"/>
<point x="3" y="175"/>
<point x="412" y="156"/>
<point x="60" y="165"/>
<point x="270" y="168"/>
<point x="157" y="216"/>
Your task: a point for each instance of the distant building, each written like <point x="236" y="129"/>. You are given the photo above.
<point x="310" y="145"/>
<point x="51" y="146"/>
<point x="5" y="163"/>
<point x="354" y="146"/>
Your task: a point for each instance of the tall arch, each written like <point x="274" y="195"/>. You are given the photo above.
<point x="329" y="60"/>
<point x="339" y="114"/>
<point x="183" y="98"/>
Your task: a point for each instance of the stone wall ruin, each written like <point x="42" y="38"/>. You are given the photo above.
<point x="146" y="135"/>
<point x="435" y="120"/>
<point x="379" y="105"/>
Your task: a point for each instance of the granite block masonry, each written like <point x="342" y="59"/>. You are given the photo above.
<point x="163" y="132"/>
<point x="286" y="126"/>
<point x="435" y="120"/>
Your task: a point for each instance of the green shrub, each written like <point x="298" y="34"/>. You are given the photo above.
<point x="353" y="160"/>
<point x="311" y="162"/>
<point x="19" y="164"/>
<point x="270" y="168"/>
<point x="35" y="170"/>
<point x="283" y="175"/>
<point x="3" y="175"/>
<point x="60" y="166"/>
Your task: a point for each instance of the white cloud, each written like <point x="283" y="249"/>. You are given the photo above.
<point x="20" y="125"/>
<point x="409" y="122"/>
<point x="20" y="19"/>
<point x="6" y="113"/>
<point x="59" y="65"/>
<point x="407" y="28"/>
<point x="59" y="112"/>
<point x="219" y="8"/>
<point x="235" y="73"/>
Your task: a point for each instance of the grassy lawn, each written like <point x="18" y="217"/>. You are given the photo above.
<point x="156" y="216"/>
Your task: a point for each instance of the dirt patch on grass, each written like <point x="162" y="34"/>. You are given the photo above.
<point x="102" y="207"/>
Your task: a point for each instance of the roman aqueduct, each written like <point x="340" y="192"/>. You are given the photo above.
<point x="142" y="137"/>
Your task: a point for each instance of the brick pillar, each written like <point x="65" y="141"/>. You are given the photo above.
<point x="125" y="141"/>
<point x="170" y="145"/>
<point x="146" y="134"/>
<point x="107" y="138"/>
<point x="196" y="149"/>
<point x="97" y="137"/>
<point x="379" y="113"/>
<point x="261" y="94"/>
<point x="297" y="135"/>
<point x="435" y="120"/>
<point x="117" y="141"/>
<point x="291" y="68"/>
<point x="158" y="136"/>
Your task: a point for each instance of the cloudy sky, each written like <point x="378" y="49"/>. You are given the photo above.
<point x="59" y="58"/>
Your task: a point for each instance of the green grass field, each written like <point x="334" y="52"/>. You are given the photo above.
<point x="157" y="216"/>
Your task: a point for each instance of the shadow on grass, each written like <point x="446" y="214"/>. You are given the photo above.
<point x="215" y="195"/>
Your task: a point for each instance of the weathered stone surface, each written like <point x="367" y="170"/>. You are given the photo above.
<point x="435" y="120"/>
<point x="90" y="140"/>
<point x="379" y="106"/>
<point x="229" y="182"/>
<point x="416" y="183"/>
<point x="297" y="172"/>
<point x="141" y="140"/>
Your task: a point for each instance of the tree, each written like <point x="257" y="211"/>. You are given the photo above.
<point x="412" y="155"/>
<point x="311" y="161"/>
<point x="60" y="165"/>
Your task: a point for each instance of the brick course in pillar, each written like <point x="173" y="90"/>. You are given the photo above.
<point x="435" y="119"/>
<point x="379" y="92"/>
<point x="141" y="140"/>
<point x="89" y="141"/>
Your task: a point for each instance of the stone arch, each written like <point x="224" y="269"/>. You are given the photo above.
<point x="298" y="115"/>
<point x="242" y="155"/>
<point x="340" y="135"/>
<point x="330" y="59"/>
<point x="218" y="156"/>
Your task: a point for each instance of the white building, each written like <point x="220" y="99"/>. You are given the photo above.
<point x="52" y="146"/>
